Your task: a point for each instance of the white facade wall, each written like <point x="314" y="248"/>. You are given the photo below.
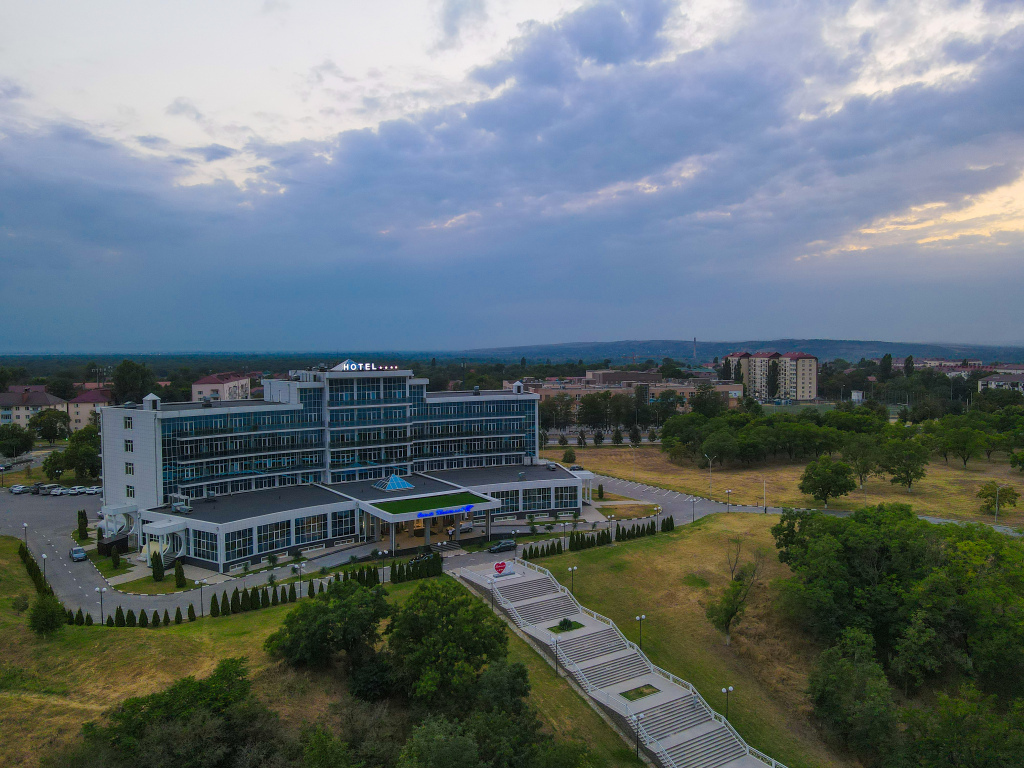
<point x="144" y="457"/>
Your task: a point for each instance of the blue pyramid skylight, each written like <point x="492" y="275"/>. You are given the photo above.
<point x="393" y="483"/>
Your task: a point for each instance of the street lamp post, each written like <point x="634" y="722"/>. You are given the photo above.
<point x="202" y="606"/>
<point x="25" y="528"/>
<point x="657" y="516"/>
<point x="383" y="555"/>
<point x="728" y="500"/>
<point x="636" y="719"/>
<point x="711" y="460"/>
<point x="100" y="591"/>
<point x="640" y="619"/>
<point x="44" y="566"/>
<point x="764" y="488"/>
<point x="572" y="579"/>
<point x="693" y="509"/>
<point x="727" y="691"/>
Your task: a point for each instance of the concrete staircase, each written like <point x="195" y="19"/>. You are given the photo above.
<point x="677" y="727"/>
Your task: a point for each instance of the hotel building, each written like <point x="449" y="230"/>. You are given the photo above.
<point x="360" y="452"/>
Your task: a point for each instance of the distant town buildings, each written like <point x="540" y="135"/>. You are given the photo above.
<point x="23" y="401"/>
<point x="1013" y="381"/>
<point x="81" y="410"/>
<point x="797" y="374"/>
<point x="223" y="386"/>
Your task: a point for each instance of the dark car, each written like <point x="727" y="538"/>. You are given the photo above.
<point x="505" y="545"/>
<point x="575" y="468"/>
<point x="77" y="554"/>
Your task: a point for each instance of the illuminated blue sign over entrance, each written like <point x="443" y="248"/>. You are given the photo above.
<point x="456" y="511"/>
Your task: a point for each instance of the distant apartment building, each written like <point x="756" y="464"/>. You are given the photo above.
<point x="798" y="374"/>
<point x="21" y="402"/>
<point x="611" y="376"/>
<point x="82" y="409"/>
<point x="223" y="387"/>
<point x="1012" y="381"/>
<point x="731" y="392"/>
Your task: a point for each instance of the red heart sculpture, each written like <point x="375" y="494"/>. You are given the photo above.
<point x="500" y="567"/>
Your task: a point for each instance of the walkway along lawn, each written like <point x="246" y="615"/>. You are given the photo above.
<point x="767" y="663"/>
<point x="948" y="490"/>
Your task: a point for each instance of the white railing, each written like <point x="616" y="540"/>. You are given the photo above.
<point x="596" y="693"/>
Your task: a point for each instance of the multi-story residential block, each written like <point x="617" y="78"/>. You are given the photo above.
<point x="353" y="453"/>
<point x="1013" y="381"/>
<point x="613" y="376"/>
<point x="21" y="403"/>
<point x="798" y="374"/>
<point x="85" y="408"/>
<point x="222" y="386"/>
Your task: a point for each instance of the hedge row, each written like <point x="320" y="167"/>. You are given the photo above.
<point x="34" y="573"/>
<point x="420" y="569"/>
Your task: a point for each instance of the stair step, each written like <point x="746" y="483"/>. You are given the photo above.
<point x="586" y="647"/>
<point x="617" y="670"/>
<point x="525" y="590"/>
<point x="708" y="750"/>
<point x="547" y="610"/>
<point x="674" y="717"/>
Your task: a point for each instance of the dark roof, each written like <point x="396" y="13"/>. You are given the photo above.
<point x="222" y="378"/>
<point x="95" y="396"/>
<point x="364" y="490"/>
<point x="241" y="506"/>
<point x="31" y="397"/>
<point x="506" y="473"/>
<point x="467" y="393"/>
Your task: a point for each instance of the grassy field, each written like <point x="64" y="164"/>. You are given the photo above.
<point x="627" y="511"/>
<point x="672" y="577"/>
<point x="948" y="490"/>
<point x="50" y="687"/>
<point x="106" y="566"/>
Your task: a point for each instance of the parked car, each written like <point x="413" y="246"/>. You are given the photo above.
<point x="58" y="490"/>
<point x="466" y="526"/>
<point x="44" y="489"/>
<point x="18" y="489"/>
<point x="92" y="490"/>
<point x="505" y="545"/>
<point x="552" y="467"/>
<point x="575" y="468"/>
<point x="77" y="490"/>
<point x="34" y="488"/>
<point x="77" y="554"/>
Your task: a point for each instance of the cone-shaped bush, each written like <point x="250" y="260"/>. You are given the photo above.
<point x="243" y="600"/>
<point x="143" y="619"/>
<point x="167" y="617"/>
<point x="225" y="604"/>
<point x="88" y="619"/>
<point x="71" y="618"/>
<point x="191" y="612"/>
<point x="119" y="617"/>
<point x="156" y="619"/>
<point x="274" y="600"/>
<point x="264" y="598"/>
<point x="177" y="615"/>
<point x="110" y="621"/>
<point x="80" y="618"/>
<point x="214" y="606"/>
<point x="236" y="602"/>
<point x="292" y="596"/>
<point x="179" y="575"/>
<point x="158" y="567"/>
<point x="321" y="590"/>
<point x="310" y="590"/>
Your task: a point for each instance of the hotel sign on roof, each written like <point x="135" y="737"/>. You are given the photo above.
<point x="352" y="365"/>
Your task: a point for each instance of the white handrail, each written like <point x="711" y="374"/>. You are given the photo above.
<point x="654" y="669"/>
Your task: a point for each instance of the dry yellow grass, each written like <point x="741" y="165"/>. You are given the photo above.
<point x="767" y="663"/>
<point x="948" y="490"/>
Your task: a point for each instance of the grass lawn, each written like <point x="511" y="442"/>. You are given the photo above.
<point x="948" y="490"/>
<point x="146" y="585"/>
<point x="403" y="506"/>
<point x="627" y="511"/>
<point x="767" y="663"/>
<point x="50" y="687"/>
<point x="558" y="630"/>
<point x="36" y="475"/>
<point x="105" y="566"/>
<point x="635" y="694"/>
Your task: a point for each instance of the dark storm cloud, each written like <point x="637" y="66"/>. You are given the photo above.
<point x="629" y="192"/>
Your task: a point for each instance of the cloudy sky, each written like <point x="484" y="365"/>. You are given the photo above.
<point x="449" y="174"/>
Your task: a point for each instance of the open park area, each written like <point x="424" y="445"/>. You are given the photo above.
<point x="948" y="490"/>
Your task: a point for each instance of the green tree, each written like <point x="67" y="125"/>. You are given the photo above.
<point x="885" y="367"/>
<point x="1017" y="460"/>
<point x="726" y="612"/>
<point x="965" y="443"/>
<point x="569" y="456"/>
<point x="826" y="479"/>
<point x="346" y="617"/>
<point x="321" y="749"/>
<point x="1007" y="496"/>
<point x="15" y="440"/>
<point x="179" y="574"/>
<point x="905" y="460"/>
<point x="177" y="615"/>
<point x="634" y="435"/>
<point x="851" y="696"/>
<point x="860" y="451"/>
<point x="908" y="366"/>
<point x="53" y="465"/>
<point x="617" y="436"/>
<point x="50" y="424"/>
<point x="47" y="616"/>
<point x="132" y="381"/>
<point x="706" y="401"/>
<point x="191" y="612"/>
<point x="441" y="638"/>
<point x="439" y="743"/>
<point x="157" y="563"/>
<point x="773" y="379"/>
<point x="119" y="620"/>
<point x="83" y="452"/>
<point x="62" y="386"/>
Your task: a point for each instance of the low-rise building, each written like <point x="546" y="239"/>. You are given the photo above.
<point x="84" y="409"/>
<point x="222" y="386"/>
<point x="1013" y="381"/>
<point x="21" y="402"/>
<point x="614" y="376"/>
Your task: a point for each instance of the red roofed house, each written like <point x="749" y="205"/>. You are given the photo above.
<point x="81" y="410"/>
<point x="23" y="401"/>
<point x="222" y="386"/>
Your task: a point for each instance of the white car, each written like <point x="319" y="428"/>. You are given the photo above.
<point x="77" y="490"/>
<point x="92" y="490"/>
<point x="59" y="491"/>
<point x="16" y="489"/>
